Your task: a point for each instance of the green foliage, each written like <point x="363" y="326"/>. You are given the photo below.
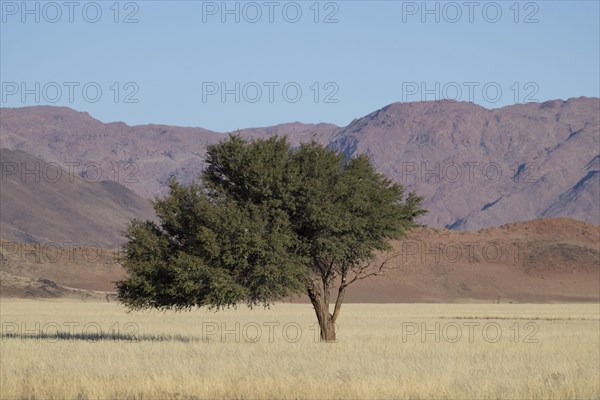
<point x="263" y="221"/>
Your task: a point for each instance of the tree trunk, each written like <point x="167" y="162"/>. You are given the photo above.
<point x="327" y="327"/>
<point x="324" y="317"/>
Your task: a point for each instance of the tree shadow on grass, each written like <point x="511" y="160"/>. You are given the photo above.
<point x="99" y="337"/>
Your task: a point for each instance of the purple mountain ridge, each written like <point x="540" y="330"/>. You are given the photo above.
<point x="476" y="167"/>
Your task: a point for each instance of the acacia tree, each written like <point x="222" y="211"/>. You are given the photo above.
<point x="265" y="222"/>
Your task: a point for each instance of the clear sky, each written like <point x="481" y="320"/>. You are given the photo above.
<point x="224" y="66"/>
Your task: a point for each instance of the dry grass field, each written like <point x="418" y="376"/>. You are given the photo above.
<point x="66" y="349"/>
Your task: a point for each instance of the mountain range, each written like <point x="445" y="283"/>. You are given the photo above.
<point x="476" y="167"/>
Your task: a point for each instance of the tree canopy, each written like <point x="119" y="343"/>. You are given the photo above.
<point x="266" y="221"/>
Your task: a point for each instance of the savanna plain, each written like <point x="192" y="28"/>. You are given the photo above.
<point x="67" y="349"/>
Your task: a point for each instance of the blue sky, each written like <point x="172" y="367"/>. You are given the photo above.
<point x="191" y="63"/>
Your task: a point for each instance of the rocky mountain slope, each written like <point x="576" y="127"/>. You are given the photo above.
<point x="479" y="167"/>
<point x="476" y="167"/>
<point x="41" y="203"/>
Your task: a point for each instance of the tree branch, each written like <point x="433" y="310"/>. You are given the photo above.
<point x="361" y="272"/>
<point x="340" y="298"/>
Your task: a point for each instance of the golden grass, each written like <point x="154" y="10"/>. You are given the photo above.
<point x="554" y="354"/>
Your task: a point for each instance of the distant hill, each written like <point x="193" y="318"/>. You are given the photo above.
<point x="39" y="202"/>
<point x="549" y="260"/>
<point x="544" y="260"/>
<point x="146" y="156"/>
<point x="43" y="270"/>
<point x="476" y="167"/>
<point x="479" y="167"/>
